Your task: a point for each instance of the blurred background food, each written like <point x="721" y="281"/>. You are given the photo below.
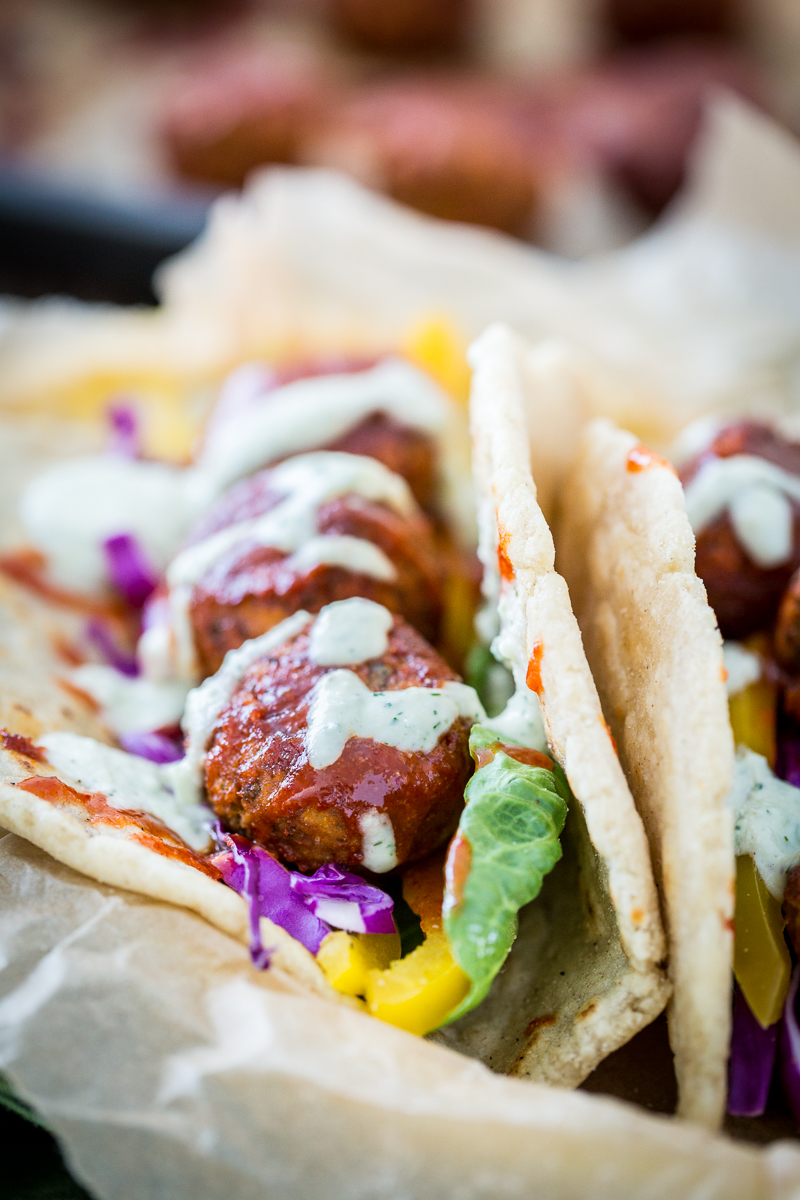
<point x="565" y="122"/>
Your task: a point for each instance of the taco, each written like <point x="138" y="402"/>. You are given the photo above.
<point x="663" y="562"/>
<point x="292" y="583"/>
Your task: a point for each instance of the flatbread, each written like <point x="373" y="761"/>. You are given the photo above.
<point x="627" y="551"/>
<point x="595" y="932"/>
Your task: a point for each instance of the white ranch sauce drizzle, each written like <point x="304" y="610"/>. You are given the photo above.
<point x="766" y="819"/>
<point x="305" y="482"/>
<point x="71" y="508"/>
<point x="353" y="554"/>
<point x="349" y="632"/>
<point x="756" y="494"/>
<point x="311" y="412"/>
<point x="130" y="705"/>
<point x="410" y="719"/>
<point x="378" y="848"/>
<point x="127" y="782"/>
<point x="501" y="621"/>
<point x="205" y="703"/>
<point x="743" y="667"/>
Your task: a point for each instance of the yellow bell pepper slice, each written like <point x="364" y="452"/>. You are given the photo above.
<point x="347" y="958"/>
<point x="436" y="345"/>
<point x="752" y="713"/>
<point x="761" y="960"/>
<point x="418" y="991"/>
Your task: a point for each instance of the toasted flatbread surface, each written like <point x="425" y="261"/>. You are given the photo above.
<point x="627" y="551"/>
<point x="594" y="934"/>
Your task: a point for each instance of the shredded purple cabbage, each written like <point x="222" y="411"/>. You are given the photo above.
<point x="125" y="437"/>
<point x="752" y="1061"/>
<point x="306" y="907"/>
<point x="100" y="635"/>
<point x="157" y="746"/>
<point x="790" y="1047"/>
<point x="128" y="568"/>
<point x="266" y="885"/>
<point x="345" y="900"/>
<point x="787" y="765"/>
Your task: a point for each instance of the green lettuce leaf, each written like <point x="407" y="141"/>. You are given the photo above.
<point x="512" y="821"/>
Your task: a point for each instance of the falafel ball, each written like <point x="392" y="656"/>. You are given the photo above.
<point x="261" y="784"/>
<point x="252" y="587"/>
<point x="744" y="596"/>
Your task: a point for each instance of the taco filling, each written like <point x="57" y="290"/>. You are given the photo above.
<point x="743" y="500"/>
<point x="291" y="582"/>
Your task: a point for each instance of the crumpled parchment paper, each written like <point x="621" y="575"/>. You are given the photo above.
<point x="169" y="1067"/>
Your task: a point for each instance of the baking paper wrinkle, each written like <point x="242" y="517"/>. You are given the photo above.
<point x="218" y="1082"/>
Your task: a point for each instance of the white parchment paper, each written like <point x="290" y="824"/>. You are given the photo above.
<point x="170" y="1068"/>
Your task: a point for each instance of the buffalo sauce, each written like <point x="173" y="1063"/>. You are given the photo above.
<point x="504" y="564"/>
<point x="19" y="744"/>
<point x="261" y="784"/>
<point x="97" y="812"/>
<point x="533" y="675"/>
<point x="27" y="567"/>
<point x="641" y="458"/>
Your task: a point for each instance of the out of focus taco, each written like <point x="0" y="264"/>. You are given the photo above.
<point x="663" y="562"/>
<point x="294" y="579"/>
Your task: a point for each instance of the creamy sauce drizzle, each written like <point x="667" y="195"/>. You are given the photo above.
<point x="378" y="849"/>
<point x="743" y="667"/>
<point x="128" y="782"/>
<point x="349" y="632"/>
<point x="353" y="554"/>
<point x="305" y="482"/>
<point x="756" y="495"/>
<point x="130" y="705"/>
<point x="205" y="703"/>
<point x="311" y="412"/>
<point x="410" y="719"/>
<point x="766" y="816"/>
<point x="71" y="508"/>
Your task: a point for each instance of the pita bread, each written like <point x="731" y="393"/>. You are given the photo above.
<point x="627" y="551"/>
<point x="595" y="933"/>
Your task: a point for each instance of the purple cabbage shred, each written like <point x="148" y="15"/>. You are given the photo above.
<point x="156" y="745"/>
<point x="100" y="635"/>
<point x="345" y="901"/>
<point x="128" y="568"/>
<point x="266" y="886"/>
<point x="125" y="439"/>
<point x="305" y="906"/>
<point x="790" y="1047"/>
<point x="752" y="1060"/>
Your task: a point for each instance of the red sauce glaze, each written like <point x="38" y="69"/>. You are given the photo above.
<point x="533" y="675"/>
<point x="745" y="597"/>
<point x="260" y="783"/>
<point x="521" y="754"/>
<point x="423" y="890"/>
<point x="504" y="564"/>
<point x="21" y="745"/>
<point x="640" y="458"/>
<point x="252" y="588"/>
<point x="94" y="809"/>
<point x="324" y="364"/>
<point x="28" y="568"/>
<point x="458" y="866"/>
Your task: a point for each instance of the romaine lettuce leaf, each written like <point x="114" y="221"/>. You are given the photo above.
<point x="506" y="843"/>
